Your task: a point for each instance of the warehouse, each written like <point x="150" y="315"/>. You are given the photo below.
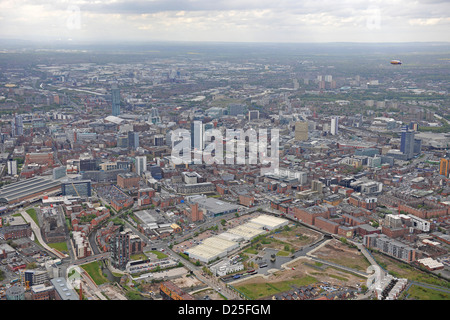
<point x="269" y="222"/>
<point x="247" y="232"/>
<point x="211" y="249"/>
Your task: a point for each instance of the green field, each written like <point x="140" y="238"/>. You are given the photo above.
<point x="421" y="293"/>
<point x="93" y="269"/>
<point x="32" y="213"/>
<point x="60" y="246"/>
<point x="140" y="256"/>
<point x="260" y="290"/>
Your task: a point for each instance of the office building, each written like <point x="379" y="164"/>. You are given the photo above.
<point x="407" y="143"/>
<point x="444" y="167"/>
<point x="301" y="131"/>
<point x="133" y="140"/>
<point x="236" y="109"/>
<point x="141" y="165"/>
<point x="158" y="140"/>
<point x="115" y="100"/>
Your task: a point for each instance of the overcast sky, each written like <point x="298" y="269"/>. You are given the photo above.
<point x="227" y="20"/>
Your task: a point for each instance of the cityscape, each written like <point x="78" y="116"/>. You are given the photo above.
<point x="224" y="171"/>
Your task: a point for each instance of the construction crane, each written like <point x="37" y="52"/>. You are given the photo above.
<point x="73" y="186"/>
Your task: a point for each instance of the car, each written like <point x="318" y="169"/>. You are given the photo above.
<point x="293" y="268"/>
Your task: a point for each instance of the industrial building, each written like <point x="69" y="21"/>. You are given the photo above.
<point x="221" y="245"/>
<point x="212" y="207"/>
<point x="29" y="189"/>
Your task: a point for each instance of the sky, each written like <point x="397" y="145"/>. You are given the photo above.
<point x="226" y="20"/>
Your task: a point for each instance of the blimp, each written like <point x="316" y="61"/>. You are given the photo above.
<point x="396" y="62"/>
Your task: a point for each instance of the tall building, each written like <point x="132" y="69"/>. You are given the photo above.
<point x="154" y="116"/>
<point x="123" y="246"/>
<point x="133" y="140"/>
<point x="407" y="143"/>
<point x="301" y="130"/>
<point x="334" y="126"/>
<point x="115" y="99"/>
<point x="17" y="126"/>
<point x="141" y="165"/>
<point x="444" y="168"/>
<point x="12" y="167"/>
<point x="197" y="135"/>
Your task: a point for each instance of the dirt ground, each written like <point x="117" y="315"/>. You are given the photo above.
<point x="212" y="294"/>
<point x="307" y="267"/>
<point x="339" y="253"/>
<point x="187" y="282"/>
<point x="112" y="292"/>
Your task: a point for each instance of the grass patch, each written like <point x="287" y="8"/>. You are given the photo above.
<point x="421" y="293"/>
<point x="93" y="269"/>
<point x="251" y="251"/>
<point x="283" y="253"/>
<point x="159" y="255"/>
<point x="60" y="246"/>
<point x="260" y="290"/>
<point x="140" y="256"/>
<point x="32" y="213"/>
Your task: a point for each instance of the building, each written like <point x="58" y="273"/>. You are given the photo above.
<point x="80" y="188"/>
<point x="334" y="126"/>
<point x="42" y="292"/>
<point x="235" y="109"/>
<point x="15" y="231"/>
<point x="133" y="140"/>
<point x="141" y="165"/>
<point x="169" y="291"/>
<point x="301" y="131"/>
<point x="390" y="247"/>
<point x="253" y="115"/>
<point x="15" y="292"/>
<point x="62" y="291"/>
<point x="115" y="100"/>
<point x="129" y="180"/>
<point x="12" y="167"/>
<point x="444" y="167"/>
<point x="123" y="245"/>
<point x="407" y="142"/>
<point x="197" y="135"/>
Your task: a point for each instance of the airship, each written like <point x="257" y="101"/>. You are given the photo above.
<point x="396" y="62"/>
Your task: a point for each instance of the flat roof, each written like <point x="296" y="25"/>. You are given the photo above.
<point x="27" y="187"/>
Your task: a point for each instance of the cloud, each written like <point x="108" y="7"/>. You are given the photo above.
<point x="227" y="20"/>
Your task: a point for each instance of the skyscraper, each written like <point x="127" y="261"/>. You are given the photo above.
<point x="115" y="99"/>
<point x="17" y="126"/>
<point x="334" y="126"/>
<point x="197" y="135"/>
<point x="141" y="165"/>
<point x="133" y="140"/>
<point x="407" y="143"/>
<point x="12" y="167"/>
<point x="444" y="168"/>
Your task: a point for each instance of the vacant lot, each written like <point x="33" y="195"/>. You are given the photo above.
<point x="402" y="270"/>
<point x="208" y="293"/>
<point x="300" y="272"/>
<point x="421" y="293"/>
<point x="337" y="252"/>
